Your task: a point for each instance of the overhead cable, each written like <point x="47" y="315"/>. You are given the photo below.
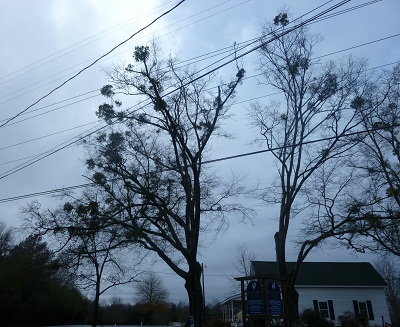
<point x="236" y="156"/>
<point x="241" y="46"/>
<point x="93" y="63"/>
<point x="117" y="54"/>
<point x="174" y="90"/>
<point x="26" y="70"/>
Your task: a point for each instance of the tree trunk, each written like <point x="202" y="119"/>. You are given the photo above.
<point x="290" y="297"/>
<point x="96" y="303"/>
<point x="195" y="294"/>
<point x="292" y="303"/>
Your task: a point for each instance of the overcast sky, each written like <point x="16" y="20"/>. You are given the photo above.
<point x="45" y="42"/>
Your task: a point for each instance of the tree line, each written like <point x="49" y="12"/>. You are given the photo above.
<point x="333" y="133"/>
<point x="35" y="286"/>
<point x="38" y="288"/>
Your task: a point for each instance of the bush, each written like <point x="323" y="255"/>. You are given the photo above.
<point x="349" y="319"/>
<point x="312" y="318"/>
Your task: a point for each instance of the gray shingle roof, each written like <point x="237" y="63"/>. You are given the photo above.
<point x="326" y="273"/>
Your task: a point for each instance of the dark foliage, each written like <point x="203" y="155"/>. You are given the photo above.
<point x="312" y="318"/>
<point x="33" y="291"/>
<point x="349" y="319"/>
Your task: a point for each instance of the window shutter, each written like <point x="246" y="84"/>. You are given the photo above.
<point x="356" y="311"/>
<point x="331" y="311"/>
<point x="370" y="312"/>
<point x="316" y="307"/>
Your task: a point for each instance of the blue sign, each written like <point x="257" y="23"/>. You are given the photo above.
<point x="275" y="305"/>
<point x="255" y="303"/>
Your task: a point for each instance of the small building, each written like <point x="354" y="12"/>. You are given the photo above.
<point x="333" y="288"/>
<point x="232" y="309"/>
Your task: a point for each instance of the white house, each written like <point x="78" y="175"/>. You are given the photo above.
<point x="333" y="288"/>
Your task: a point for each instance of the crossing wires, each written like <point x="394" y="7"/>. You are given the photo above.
<point x="92" y="64"/>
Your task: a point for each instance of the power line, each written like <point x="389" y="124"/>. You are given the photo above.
<point x="236" y="103"/>
<point x="367" y="43"/>
<point x="45" y="192"/>
<point x="50" y="152"/>
<point x="75" y="127"/>
<point x="63" y="146"/>
<point x="70" y="74"/>
<point x="242" y="45"/>
<point x="75" y="44"/>
<point x="69" y="144"/>
<point x="357" y="46"/>
<point x="51" y="110"/>
<point x="262" y="44"/>
<point x="45" y="136"/>
<point x="329" y="16"/>
<point x="348" y="10"/>
<point x="93" y="63"/>
<point x="332" y="8"/>
<point x="236" y="156"/>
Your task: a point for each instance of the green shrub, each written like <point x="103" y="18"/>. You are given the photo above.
<point x="312" y="318"/>
<point x="349" y="319"/>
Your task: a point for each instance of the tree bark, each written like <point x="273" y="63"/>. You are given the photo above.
<point x="96" y="302"/>
<point x="290" y="297"/>
<point x="195" y="294"/>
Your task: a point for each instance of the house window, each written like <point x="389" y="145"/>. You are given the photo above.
<point x="325" y="309"/>
<point x="364" y="308"/>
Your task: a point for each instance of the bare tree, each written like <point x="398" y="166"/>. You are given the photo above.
<point x="94" y="249"/>
<point x="151" y="290"/>
<point x="375" y="196"/>
<point x="6" y="239"/>
<point x="241" y="264"/>
<point x="242" y="259"/>
<point x="303" y="131"/>
<point x="389" y="270"/>
<point x="366" y="197"/>
<point x="151" y="164"/>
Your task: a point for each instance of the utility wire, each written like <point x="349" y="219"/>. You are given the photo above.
<point x="249" y="51"/>
<point x="241" y="46"/>
<point x="54" y="103"/>
<point x="357" y="46"/>
<point x="254" y="49"/>
<point x="117" y="54"/>
<point x="344" y="11"/>
<point x="80" y="137"/>
<point x="93" y="63"/>
<point x="51" y="110"/>
<point x="63" y="146"/>
<point x="347" y="10"/>
<point x="262" y="44"/>
<point x="26" y="70"/>
<point x="236" y="103"/>
<point x="52" y="151"/>
<point x="69" y="144"/>
<point x="45" y="192"/>
<point x="45" y="136"/>
<point x="236" y="156"/>
<point x="285" y="32"/>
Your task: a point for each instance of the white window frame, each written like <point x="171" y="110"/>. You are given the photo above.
<point x="364" y="308"/>
<point x="323" y="309"/>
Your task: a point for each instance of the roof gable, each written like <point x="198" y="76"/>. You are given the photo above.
<point x="326" y="273"/>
